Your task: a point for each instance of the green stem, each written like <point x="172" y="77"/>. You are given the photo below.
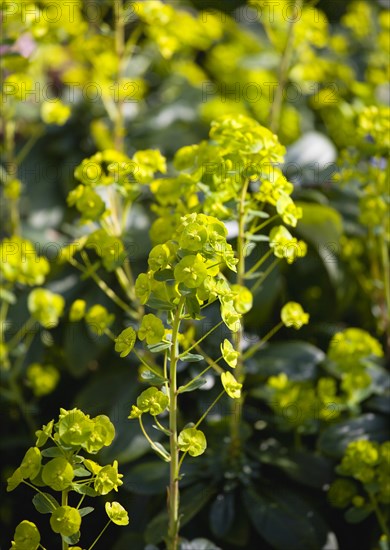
<point x="378" y="512"/>
<point x="25" y="329"/>
<point x="259" y="344"/>
<point x="200" y="340"/>
<point x="174" y="495"/>
<point x="239" y="335"/>
<point x="284" y="67"/>
<point x="386" y="283"/>
<point x="259" y="263"/>
<point x="151" y="442"/>
<point x="193" y="379"/>
<point x="264" y="224"/>
<point x="64" y="502"/>
<point x="100" y="534"/>
<point x="264" y="275"/>
<point x="200" y="421"/>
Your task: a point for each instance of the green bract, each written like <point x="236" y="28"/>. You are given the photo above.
<point x="20" y="262"/>
<point x="117" y="513"/>
<point x="124" y="343"/>
<point x="191" y="271"/>
<point x="349" y="347"/>
<point x="65" y="520"/>
<point x="152" y="401"/>
<point x="74" y="427"/>
<point x="192" y="441"/>
<point x="152" y="329"/>
<point x="229" y="353"/>
<point x="26" y="536"/>
<point x="58" y="474"/>
<point x="43" y="379"/>
<point x="31" y="463"/>
<point x="285" y="245"/>
<point x="292" y="315"/>
<point x="232" y="387"/>
<point x="102" y="435"/>
<point x="77" y="310"/>
<point x="46" y="307"/>
<point x="108" y="479"/>
<point x="98" y="319"/>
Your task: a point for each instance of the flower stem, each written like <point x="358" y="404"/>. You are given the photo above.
<point x="174" y="496"/>
<point x="100" y="534"/>
<point x="379" y="515"/>
<point x="284" y="66"/>
<point x="64" y="502"/>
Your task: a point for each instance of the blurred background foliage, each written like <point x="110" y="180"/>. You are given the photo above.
<point x="308" y="397"/>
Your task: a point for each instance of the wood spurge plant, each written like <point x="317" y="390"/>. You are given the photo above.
<point x="194" y="268"/>
<point x="61" y="468"/>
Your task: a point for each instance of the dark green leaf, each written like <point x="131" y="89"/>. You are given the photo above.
<point x="222" y="514"/>
<point x="85" y="511"/>
<point x="335" y="439"/>
<point x="356" y="515"/>
<point x="52" y="452"/>
<point x="45" y="503"/>
<point x="192" y="386"/>
<point x="191" y="357"/>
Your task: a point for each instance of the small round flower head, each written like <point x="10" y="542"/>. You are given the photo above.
<point x="292" y="315"/>
<point x="341" y="492"/>
<point x="102" y="434"/>
<point x="58" y="474"/>
<point x="31" y="463"/>
<point x="285" y="245"/>
<point x="152" y="329"/>
<point x="124" y="343"/>
<point x="289" y="212"/>
<point x="359" y="460"/>
<point x="143" y="287"/>
<point x="192" y="441"/>
<point x="45" y="306"/>
<point x="108" y="479"/>
<point x="232" y="387"/>
<point x="153" y="401"/>
<point x="65" y="520"/>
<point x="349" y="347"/>
<point x="74" y="427"/>
<point x="98" y="319"/>
<point x="77" y="310"/>
<point x="43" y="379"/>
<point x="117" y="513"/>
<point x="191" y="271"/>
<point x="55" y="112"/>
<point x="26" y="536"/>
<point x="229" y="354"/>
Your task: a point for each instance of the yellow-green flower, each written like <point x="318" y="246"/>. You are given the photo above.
<point x="117" y="513"/>
<point x="45" y="306"/>
<point x="229" y="354"/>
<point x="135" y="412"/>
<point x="65" y="520"/>
<point x="26" y="536"/>
<point x="341" y="492"/>
<point x="192" y="441"/>
<point x="74" y="427"/>
<point x="124" y="343"/>
<point x="191" y="271"/>
<point x="285" y="245"/>
<point x="153" y="401"/>
<point x="31" y="463"/>
<point x="77" y="310"/>
<point x="98" y="319"/>
<point x="43" y="379"/>
<point x="232" y="387"/>
<point x="108" y="479"/>
<point x="58" y="474"/>
<point x="292" y="315"/>
<point x="152" y="329"/>
<point x="55" y="112"/>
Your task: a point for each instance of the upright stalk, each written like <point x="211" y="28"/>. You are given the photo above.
<point x="284" y="67"/>
<point x="64" y="502"/>
<point x="239" y="335"/>
<point x="174" y="496"/>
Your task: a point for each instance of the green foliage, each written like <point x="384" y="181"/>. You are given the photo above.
<point x="183" y="189"/>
